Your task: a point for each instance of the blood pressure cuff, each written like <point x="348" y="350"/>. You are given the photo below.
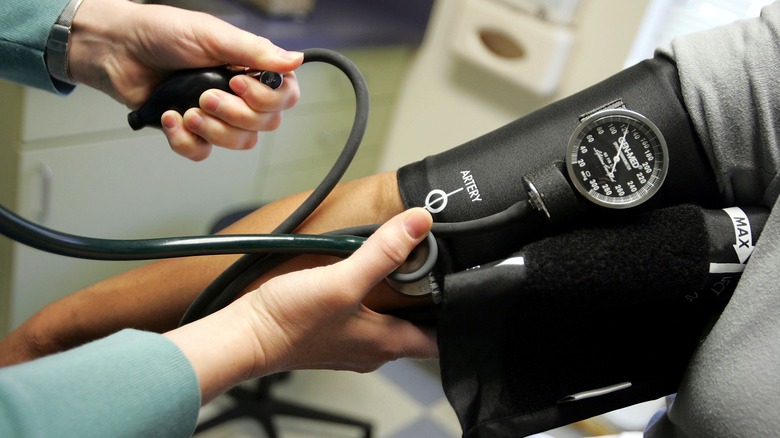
<point x="484" y="176"/>
<point x="568" y="332"/>
<point x="551" y="346"/>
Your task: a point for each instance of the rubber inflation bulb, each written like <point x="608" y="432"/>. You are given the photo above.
<point x="181" y="91"/>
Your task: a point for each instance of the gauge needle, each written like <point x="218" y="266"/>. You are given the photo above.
<point x="619" y="146"/>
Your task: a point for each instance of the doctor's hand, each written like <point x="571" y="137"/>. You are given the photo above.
<point x="311" y="319"/>
<point x="125" y="49"/>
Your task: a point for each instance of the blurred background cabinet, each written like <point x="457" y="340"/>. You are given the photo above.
<point x="72" y="163"/>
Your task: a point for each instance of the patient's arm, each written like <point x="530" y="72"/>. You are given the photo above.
<point x="155" y="296"/>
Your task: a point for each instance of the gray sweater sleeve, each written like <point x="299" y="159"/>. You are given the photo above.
<point x="731" y="85"/>
<point x="731" y="88"/>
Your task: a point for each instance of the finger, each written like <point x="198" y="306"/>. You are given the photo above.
<point x="183" y="141"/>
<point x="260" y="53"/>
<point x="408" y="340"/>
<point x="235" y="112"/>
<point x="384" y="251"/>
<point x="261" y="97"/>
<point x="214" y="131"/>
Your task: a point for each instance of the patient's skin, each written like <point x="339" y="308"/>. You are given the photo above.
<point x="155" y="296"/>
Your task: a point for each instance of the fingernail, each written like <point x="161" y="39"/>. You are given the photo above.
<point x="194" y="121"/>
<point x="415" y="225"/>
<point x="210" y="102"/>
<point x="291" y="56"/>
<point x="238" y="85"/>
<point x="168" y="122"/>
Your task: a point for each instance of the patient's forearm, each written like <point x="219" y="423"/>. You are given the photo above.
<point x="154" y="296"/>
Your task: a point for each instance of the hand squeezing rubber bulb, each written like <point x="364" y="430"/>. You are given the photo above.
<point x="181" y="91"/>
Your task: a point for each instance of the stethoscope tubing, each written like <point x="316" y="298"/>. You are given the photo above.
<point x="91" y="248"/>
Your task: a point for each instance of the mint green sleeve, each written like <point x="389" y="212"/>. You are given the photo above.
<point x="24" y="30"/>
<point x="130" y="384"/>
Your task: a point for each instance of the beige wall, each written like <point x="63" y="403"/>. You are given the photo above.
<point x="446" y="101"/>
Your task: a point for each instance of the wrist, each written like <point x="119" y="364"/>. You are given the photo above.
<point x="221" y="349"/>
<point x="97" y="40"/>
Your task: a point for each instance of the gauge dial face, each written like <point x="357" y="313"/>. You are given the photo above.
<point x="617" y="158"/>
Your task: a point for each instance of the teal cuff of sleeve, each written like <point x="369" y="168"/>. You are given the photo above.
<point x="132" y="383"/>
<point x="24" y="31"/>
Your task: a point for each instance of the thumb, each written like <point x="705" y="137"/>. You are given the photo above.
<point x="274" y="58"/>
<point x="385" y="250"/>
<point x="238" y="47"/>
<point x="229" y="44"/>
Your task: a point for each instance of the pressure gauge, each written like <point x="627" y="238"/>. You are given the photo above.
<point x="617" y="158"/>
